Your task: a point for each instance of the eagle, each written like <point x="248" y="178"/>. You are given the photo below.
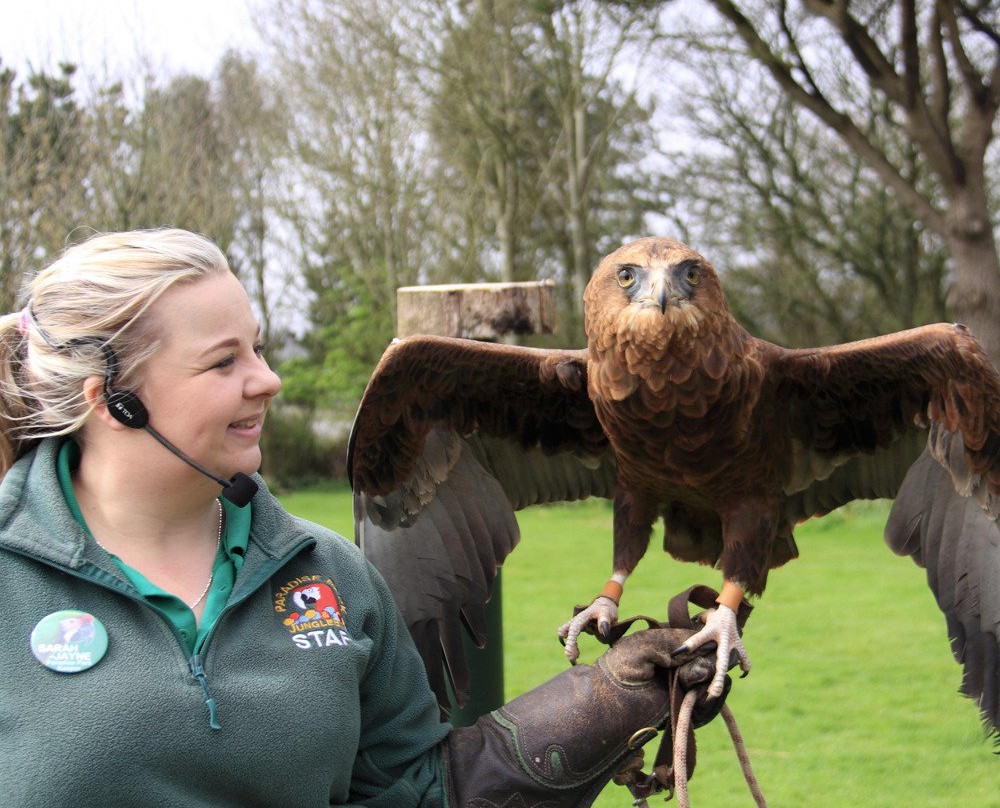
<point x="677" y="414"/>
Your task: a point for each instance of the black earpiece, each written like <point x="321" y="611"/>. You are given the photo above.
<point x="124" y="405"/>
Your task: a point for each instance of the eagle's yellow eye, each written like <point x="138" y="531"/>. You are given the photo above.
<point x="626" y="277"/>
<point x="693" y="275"/>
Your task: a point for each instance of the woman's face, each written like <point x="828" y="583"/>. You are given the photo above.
<point x="207" y="387"/>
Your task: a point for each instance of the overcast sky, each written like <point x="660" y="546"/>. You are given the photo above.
<point x="103" y="35"/>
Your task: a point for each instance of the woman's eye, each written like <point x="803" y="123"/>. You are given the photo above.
<point x="229" y="361"/>
<point x="626" y="277"/>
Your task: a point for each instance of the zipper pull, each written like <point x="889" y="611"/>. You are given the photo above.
<point x="198" y="672"/>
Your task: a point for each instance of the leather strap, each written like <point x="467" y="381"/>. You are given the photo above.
<point x="662" y="776"/>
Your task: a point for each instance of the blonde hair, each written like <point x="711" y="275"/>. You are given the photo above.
<point x="94" y="297"/>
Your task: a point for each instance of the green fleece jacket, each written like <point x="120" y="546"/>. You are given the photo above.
<point x="309" y="677"/>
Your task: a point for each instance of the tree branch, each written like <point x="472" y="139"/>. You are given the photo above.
<point x="864" y="49"/>
<point x="911" y="52"/>
<point x="940" y="94"/>
<point x="839" y="122"/>
<point x="973" y="79"/>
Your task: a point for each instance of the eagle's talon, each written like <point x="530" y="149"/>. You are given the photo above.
<point x="720" y="628"/>
<point x="603" y="611"/>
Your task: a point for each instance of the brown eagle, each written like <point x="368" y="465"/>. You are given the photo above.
<point x="676" y="412"/>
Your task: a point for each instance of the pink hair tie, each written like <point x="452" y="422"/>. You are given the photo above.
<point x="24" y="321"/>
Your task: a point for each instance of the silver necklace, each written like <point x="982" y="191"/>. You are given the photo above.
<point x="211" y="575"/>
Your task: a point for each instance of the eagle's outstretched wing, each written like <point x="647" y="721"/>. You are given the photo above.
<point x="943" y="479"/>
<point x="452" y="436"/>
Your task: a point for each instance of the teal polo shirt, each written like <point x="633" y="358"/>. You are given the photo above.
<point x="228" y="561"/>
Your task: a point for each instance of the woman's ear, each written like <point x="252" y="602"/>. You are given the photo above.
<point x="93" y="392"/>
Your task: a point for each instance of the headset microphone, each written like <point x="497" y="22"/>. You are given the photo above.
<point x="239" y="490"/>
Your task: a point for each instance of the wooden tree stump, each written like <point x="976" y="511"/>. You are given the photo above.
<point x="476" y="310"/>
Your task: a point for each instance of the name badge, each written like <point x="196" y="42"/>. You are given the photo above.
<point x="69" y="641"/>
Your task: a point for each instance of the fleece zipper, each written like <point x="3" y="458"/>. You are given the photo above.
<point x="259" y="577"/>
<point x="198" y="672"/>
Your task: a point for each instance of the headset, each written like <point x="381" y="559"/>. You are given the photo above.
<point x="126" y="408"/>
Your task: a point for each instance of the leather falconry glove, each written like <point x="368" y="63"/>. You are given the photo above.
<point x="558" y="745"/>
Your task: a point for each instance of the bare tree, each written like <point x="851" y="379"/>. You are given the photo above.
<point x="484" y="115"/>
<point x="815" y="248"/>
<point x="528" y="139"/>
<point x="934" y="66"/>
<point x="587" y="46"/>
<point x="162" y="161"/>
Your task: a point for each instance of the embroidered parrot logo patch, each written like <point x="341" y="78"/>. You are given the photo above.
<point x="312" y="612"/>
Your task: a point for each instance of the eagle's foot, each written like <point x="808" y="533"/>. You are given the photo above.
<point x="603" y="612"/>
<point x="720" y="628"/>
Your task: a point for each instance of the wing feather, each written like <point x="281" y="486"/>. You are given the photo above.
<point x="868" y="476"/>
<point x="534" y="397"/>
<point x="958" y="544"/>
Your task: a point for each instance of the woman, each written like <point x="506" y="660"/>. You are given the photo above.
<point x="164" y="645"/>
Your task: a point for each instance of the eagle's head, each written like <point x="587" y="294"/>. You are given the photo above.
<point x="650" y="307"/>
<point x="652" y="288"/>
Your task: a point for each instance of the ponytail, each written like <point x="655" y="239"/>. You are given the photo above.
<point x="15" y="406"/>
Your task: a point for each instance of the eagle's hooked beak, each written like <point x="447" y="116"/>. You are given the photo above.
<point x="661" y="290"/>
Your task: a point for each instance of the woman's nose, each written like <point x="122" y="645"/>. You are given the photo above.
<point x="263" y="382"/>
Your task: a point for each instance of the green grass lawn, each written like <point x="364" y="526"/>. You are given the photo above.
<point x="852" y="700"/>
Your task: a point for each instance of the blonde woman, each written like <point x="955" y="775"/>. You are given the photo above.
<point x="232" y="654"/>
